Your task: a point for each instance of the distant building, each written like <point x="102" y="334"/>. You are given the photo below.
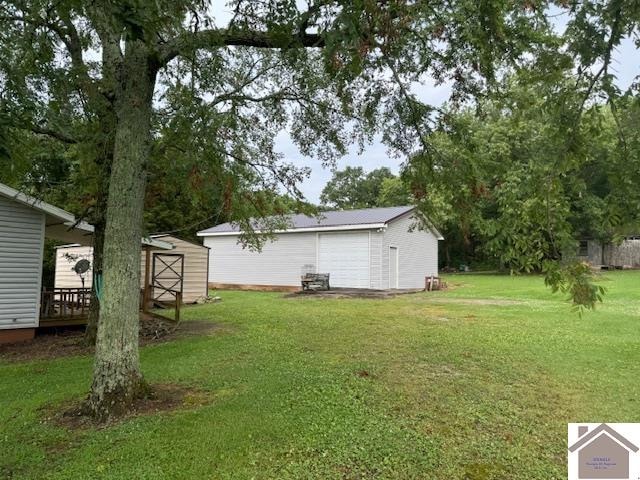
<point x="624" y="255"/>
<point x="376" y="248"/>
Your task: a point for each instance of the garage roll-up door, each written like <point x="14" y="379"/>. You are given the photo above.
<point x="345" y="256"/>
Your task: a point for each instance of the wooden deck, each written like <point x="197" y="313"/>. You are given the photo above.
<point x="64" y="321"/>
<point x="64" y="307"/>
<point x="61" y="307"/>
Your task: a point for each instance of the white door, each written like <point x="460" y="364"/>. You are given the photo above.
<point x="393" y="267"/>
<point x="345" y="257"/>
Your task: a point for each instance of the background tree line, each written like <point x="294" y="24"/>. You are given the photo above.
<point x="507" y="185"/>
<point x="493" y="183"/>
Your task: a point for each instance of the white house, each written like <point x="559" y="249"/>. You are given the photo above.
<point x="376" y="248"/>
<point x="24" y="224"/>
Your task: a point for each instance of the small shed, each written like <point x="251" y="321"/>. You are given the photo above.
<point x="376" y="248"/>
<point x="24" y="305"/>
<point x="187" y="259"/>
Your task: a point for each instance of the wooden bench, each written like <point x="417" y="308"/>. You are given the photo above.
<point x="315" y="281"/>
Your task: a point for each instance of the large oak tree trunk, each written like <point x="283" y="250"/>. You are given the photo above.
<point x="117" y="379"/>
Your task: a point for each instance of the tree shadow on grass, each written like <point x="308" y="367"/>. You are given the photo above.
<point x="69" y="341"/>
<point x="160" y="398"/>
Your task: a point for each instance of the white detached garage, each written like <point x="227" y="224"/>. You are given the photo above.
<point x="375" y="248"/>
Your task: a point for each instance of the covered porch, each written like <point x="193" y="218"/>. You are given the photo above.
<point x="25" y="302"/>
<point x="68" y="306"/>
<point x="65" y="306"/>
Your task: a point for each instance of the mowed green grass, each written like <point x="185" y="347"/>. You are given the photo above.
<point x="476" y="382"/>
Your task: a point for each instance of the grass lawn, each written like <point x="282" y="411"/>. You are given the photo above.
<point x="477" y="382"/>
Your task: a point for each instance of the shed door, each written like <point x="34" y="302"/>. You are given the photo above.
<point x="167" y="277"/>
<point x="345" y="256"/>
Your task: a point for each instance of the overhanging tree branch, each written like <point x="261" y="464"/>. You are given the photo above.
<point x="67" y="33"/>
<point x="210" y="39"/>
<point x="60" y="136"/>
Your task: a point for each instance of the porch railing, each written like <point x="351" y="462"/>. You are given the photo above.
<point x="65" y="302"/>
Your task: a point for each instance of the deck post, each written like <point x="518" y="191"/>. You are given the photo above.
<point x="147" y="279"/>
<point x="178" y="305"/>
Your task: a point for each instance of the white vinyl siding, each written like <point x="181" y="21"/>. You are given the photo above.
<point x="345" y="256"/>
<point x="376" y="241"/>
<point x="357" y="259"/>
<point x="393" y="267"/>
<point x="280" y="263"/>
<point x="417" y="253"/>
<point x="21" y="246"/>
<point x="66" y="258"/>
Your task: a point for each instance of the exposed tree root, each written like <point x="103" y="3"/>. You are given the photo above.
<point x="155" y="399"/>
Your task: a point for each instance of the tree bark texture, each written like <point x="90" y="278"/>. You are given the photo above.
<point x="117" y="379"/>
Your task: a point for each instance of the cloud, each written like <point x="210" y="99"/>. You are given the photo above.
<point x="374" y="156"/>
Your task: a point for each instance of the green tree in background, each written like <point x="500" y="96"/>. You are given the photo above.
<point x="394" y="192"/>
<point x="353" y="188"/>
<point x="506" y="182"/>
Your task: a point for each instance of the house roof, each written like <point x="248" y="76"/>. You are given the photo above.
<point x="596" y="432"/>
<point x="167" y="237"/>
<point x="152" y="242"/>
<point x="59" y="224"/>
<point x="62" y="225"/>
<point x="366" y="218"/>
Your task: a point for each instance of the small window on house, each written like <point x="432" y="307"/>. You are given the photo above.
<point x="583" y="249"/>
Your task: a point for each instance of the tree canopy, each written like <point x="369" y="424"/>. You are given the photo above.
<point x="507" y="182"/>
<point x="353" y="188"/>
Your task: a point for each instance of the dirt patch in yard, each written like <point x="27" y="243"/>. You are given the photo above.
<point x="161" y="398"/>
<point x="68" y="341"/>
<point x="351" y="293"/>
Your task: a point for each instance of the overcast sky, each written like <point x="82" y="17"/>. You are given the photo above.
<point x="625" y="65"/>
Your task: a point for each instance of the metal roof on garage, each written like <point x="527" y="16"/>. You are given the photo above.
<point x="332" y="220"/>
